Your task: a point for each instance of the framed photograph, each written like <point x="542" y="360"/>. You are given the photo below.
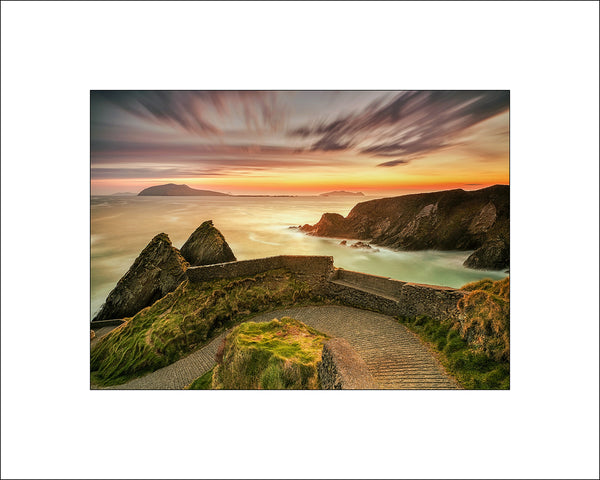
<point x="300" y="239"/>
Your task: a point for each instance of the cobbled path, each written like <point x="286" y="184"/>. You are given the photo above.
<point x="395" y="356"/>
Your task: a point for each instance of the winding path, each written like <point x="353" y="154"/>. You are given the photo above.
<point x="394" y="355"/>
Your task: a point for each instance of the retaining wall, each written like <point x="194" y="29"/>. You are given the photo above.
<point x="314" y="268"/>
<point x="393" y="297"/>
<point x="341" y="368"/>
<point x="385" y="285"/>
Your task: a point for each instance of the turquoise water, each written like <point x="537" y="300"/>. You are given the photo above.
<point x="254" y="227"/>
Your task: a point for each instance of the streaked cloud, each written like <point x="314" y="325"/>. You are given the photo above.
<point x="207" y="135"/>
<point x="393" y="163"/>
<point x="410" y="125"/>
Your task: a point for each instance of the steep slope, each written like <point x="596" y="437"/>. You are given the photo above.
<point x="207" y="246"/>
<point x="172" y="190"/>
<point x="449" y="220"/>
<point x="156" y="271"/>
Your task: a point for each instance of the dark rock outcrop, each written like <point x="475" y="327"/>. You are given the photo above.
<point x="494" y="254"/>
<point x="330" y="225"/>
<point x="206" y="246"/>
<point x="448" y="220"/>
<point x="362" y="245"/>
<point x="173" y="190"/>
<point x="158" y="270"/>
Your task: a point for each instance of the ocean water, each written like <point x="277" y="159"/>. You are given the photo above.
<point x="254" y="227"/>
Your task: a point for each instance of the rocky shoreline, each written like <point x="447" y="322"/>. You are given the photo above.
<point x="476" y="220"/>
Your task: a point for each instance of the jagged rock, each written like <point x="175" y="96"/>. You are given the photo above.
<point x="361" y="245"/>
<point x="494" y="254"/>
<point x="447" y="220"/>
<point x="344" y="242"/>
<point x="207" y="246"/>
<point x="156" y="271"/>
<point x="330" y="225"/>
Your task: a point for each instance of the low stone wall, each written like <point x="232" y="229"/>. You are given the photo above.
<point x="353" y="296"/>
<point x="341" y="368"/>
<point x="433" y="301"/>
<point x="383" y="284"/>
<point x="393" y="297"/>
<point x="314" y="267"/>
<point x="381" y="294"/>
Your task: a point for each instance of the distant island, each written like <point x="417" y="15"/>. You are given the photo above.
<point x="342" y="193"/>
<point x="172" y="190"/>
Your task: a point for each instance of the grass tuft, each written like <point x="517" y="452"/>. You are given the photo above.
<point x="275" y="355"/>
<point x="203" y="382"/>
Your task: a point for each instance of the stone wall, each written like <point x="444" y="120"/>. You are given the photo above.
<point x="430" y="300"/>
<point x="381" y="294"/>
<point x="313" y="268"/>
<point x="393" y="297"/>
<point x="382" y="284"/>
<point x="341" y="368"/>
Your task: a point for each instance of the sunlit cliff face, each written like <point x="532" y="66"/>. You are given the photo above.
<point x="299" y="142"/>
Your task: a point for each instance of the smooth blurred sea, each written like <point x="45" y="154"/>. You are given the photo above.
<point x="254" y="227"/>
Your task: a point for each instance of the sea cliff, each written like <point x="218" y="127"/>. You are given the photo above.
<point x="449" y="220"/>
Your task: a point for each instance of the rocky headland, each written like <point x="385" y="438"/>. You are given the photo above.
<point x="160" y="268"/>
<point x="449" y="220"/>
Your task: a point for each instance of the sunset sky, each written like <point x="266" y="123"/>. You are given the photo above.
<point x="299" y="142"/>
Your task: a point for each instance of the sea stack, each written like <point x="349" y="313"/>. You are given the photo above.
<point x="206" y="246"/>
<point x="158" y="270"/>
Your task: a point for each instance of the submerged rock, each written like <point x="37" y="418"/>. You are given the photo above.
<point x="158" y="270"/>
<point x="207" y="246"/>
<point x="361" y="245"/>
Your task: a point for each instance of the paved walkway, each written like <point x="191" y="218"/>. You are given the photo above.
<point x="395" y="356"/>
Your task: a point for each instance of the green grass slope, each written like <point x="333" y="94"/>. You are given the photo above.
<point x="475" y="348"/>
<point x="186" y="319"/>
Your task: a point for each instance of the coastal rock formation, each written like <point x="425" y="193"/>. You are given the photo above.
<point x="206" y="246"/>
<point x="494" y="254"/>
<point x="173" y="190"/>
<point x="449" y="220"/>
<point x="330" y="225"/>
<point x="364" y="246"/>
<point x="156" y="271"/>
